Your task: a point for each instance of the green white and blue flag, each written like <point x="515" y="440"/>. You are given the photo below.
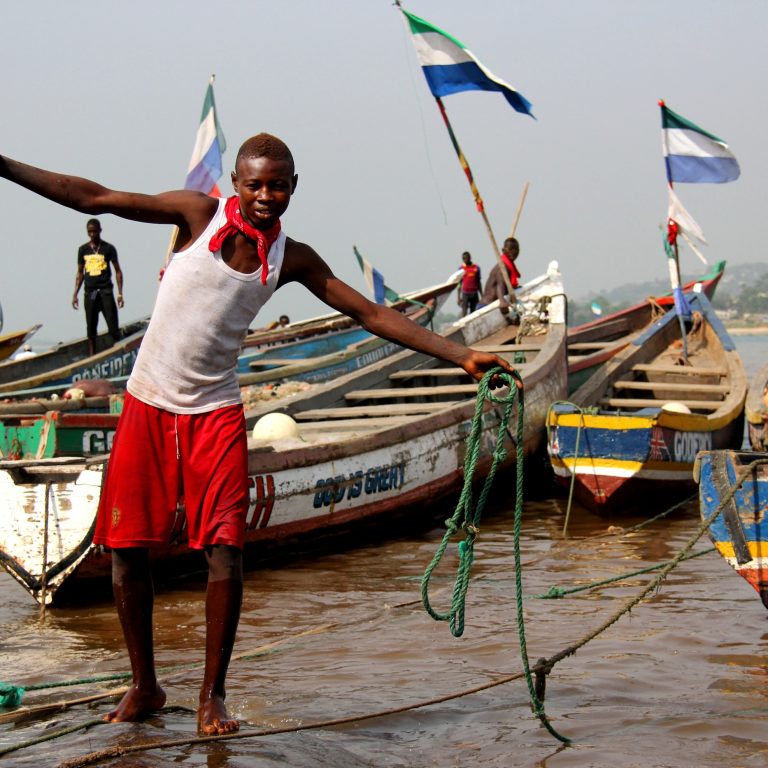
<point x="450" y="67"/>
<point x="692" y="155"/>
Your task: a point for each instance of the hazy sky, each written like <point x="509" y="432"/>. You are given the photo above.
<point x="113" y="91"/>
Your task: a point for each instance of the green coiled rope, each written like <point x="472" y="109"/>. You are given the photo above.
<point x="467" y="514"/>
<point x="471" y="521"/>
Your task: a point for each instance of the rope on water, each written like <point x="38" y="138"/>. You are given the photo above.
<point x="558" y="592"/>
<point x="50" y="735"/>
<point x="471" y="517"/>
<point x="548" y="664"/>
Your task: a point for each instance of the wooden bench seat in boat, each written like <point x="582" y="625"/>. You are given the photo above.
<point x="498" y="348"/>
<point x="409" y="392"/>
<point x="372" y="424"/>
<point x="589" y="346"/>
<point x="684" y="370"/>
<point x="717" y="389"/>
<point x="620" y="402"/>
<point x="390" y="409"/>
<point x="438" y="372"/>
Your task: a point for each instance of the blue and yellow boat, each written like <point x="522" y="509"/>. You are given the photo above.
<point x="631" y="432"/>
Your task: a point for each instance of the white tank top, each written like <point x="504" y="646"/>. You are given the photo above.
<point x="187" y="359"/>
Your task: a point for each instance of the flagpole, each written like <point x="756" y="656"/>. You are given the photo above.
<point x="175" y="230"/>
<point x="475" y="193"/>
<point x="519" y="210"/>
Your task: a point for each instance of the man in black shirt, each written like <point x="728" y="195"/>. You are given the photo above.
<point x="93" y="268"/>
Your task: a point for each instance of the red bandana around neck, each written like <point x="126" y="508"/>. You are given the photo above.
<point x="236" y="223"/>
<point x="514" y="274"/>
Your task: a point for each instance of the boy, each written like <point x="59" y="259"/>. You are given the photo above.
<point x="182" y="407"/>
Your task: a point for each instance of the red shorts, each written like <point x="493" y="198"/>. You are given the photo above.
<point x="159" y="459"/>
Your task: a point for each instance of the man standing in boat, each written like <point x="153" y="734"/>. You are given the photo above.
<point x="182" y="429"/>
<point x="470" y="285"/>
<point x="95" y="261"/>
<point x="496" y="285"/>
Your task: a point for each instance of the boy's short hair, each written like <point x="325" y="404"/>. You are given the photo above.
<point x="265" y="145"/>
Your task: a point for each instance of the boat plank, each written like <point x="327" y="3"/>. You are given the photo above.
<point x="590" y="345"/>
<point x="496" y="348"/>
<point x="371" y="423"/>
<point x="721" y="389"/>
<point x="685" y="370"/>
<point x="394" y="409"/>
<point x="631" y="402"/>
<point x="381" y="394"/>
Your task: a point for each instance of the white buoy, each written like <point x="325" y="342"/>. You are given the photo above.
<point x="675" y="407"/>
<point x="275" y="426"/>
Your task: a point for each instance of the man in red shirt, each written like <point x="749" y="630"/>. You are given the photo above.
<point x="470" y="286"/>
<point x="496" y="286"/>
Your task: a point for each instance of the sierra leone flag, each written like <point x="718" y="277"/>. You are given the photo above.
<point x="693" y="155"/>
<point x="375" y="281"/>
<point x="205" y="167"/>
<point x="450" y="67"/>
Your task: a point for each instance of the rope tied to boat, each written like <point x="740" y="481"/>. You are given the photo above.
<point x="467" y="514"/>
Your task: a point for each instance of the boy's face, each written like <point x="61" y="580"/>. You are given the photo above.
<point x="264" y="187"/>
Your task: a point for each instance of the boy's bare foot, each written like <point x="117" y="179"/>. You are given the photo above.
<point x="136" y="705"/>
<point x="213" y="718"/>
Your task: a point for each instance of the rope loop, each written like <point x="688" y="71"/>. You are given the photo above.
<point x="468" y="512"/>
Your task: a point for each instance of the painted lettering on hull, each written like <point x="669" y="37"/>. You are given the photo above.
<point x="332" y="490"/>
<point x="98" y="440"/>
<point x="118" y="365"/>
<point x="688" y="444"/>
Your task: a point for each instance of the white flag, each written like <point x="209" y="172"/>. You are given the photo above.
<point x="684" y="219"/>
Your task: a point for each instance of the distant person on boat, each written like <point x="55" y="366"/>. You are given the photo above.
<point x="95" y="261"/>
<point x="495" y="285"/>
<point x="281" y="322"/>
<point x="182" y="429"/>
<point x="470" y="286"/>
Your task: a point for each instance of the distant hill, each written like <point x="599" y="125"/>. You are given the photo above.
<point x="735" y="278"/>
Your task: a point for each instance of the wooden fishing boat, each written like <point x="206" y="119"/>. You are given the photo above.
<point x="736" y="483"/>
<point x="300" y="343"/>
<point x="45" y="429"/>
<point x="376" y="445"/>
<point x="356" y="355"/>
<point x="592" y="344"/>
<point x="10" y="342"/>
<point x="334" y="331"/>
<point x="756" y="410"/>
<point x="60" y="367"/>
<point x="633" y="430"/>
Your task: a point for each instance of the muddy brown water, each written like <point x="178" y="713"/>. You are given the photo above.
<point x="681" y="680"/>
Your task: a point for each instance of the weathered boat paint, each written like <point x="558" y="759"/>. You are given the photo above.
<point x="740" y="530"/>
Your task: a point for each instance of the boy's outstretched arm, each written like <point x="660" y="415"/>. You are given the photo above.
<point x="190" y="211"/>
<point x="303" y="265"/>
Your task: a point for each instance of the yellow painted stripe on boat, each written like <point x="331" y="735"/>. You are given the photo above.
<point x="599" y="422"/>
<point x="756" y="549"/>
<point x="632" y="466"/>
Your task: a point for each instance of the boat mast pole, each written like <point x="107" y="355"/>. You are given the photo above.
<point x="475" y="194"/>
<point x="673" y="255"/>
